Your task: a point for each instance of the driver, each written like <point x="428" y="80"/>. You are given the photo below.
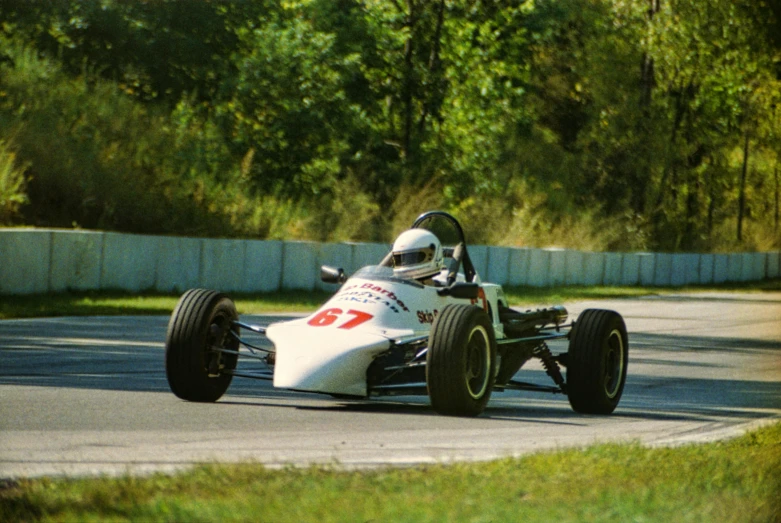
<point x="418" y="255"/>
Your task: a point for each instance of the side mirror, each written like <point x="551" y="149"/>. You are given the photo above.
<point x="461" y="290"/>
<point x="332" y="274"/>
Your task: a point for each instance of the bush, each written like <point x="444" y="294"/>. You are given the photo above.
<point x="99" y="159"/>
<point x="12" y="185"/>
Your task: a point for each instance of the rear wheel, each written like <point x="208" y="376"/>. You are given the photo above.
<point x="201" y="324"/>
<point x="460" y="362"/>
<point x="597" y="361"/>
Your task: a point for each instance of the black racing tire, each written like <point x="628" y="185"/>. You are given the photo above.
<point x="461" y="361"/>
<point x="597" y="362"/>
<point x="200" y="322"/>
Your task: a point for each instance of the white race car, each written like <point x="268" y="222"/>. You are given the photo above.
<point x="421" y="322"/>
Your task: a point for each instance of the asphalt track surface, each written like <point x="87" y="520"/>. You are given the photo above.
<point x="83" y="396"/>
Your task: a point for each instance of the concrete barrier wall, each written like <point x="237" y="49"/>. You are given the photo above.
<point x="36" y="261"/>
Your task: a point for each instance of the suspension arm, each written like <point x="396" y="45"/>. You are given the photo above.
<point x="254" y="328"/>
<point x="542" y="336"/>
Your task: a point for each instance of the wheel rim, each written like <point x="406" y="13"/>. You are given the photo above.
<point x="478" y="363"/>
<point x="217" y="338"/>
<point x="614" y="363"/>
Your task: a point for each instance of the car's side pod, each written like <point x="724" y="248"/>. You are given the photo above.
<point x="462" y="290"/>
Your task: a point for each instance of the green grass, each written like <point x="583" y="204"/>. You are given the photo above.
<point x="121" y="303"/>
<point x="103" y="303"/>
<point x="736" y="480"/>
<point x="564" y="294"/>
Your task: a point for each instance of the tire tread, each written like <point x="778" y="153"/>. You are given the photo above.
<point x="187" y="330"/>
<point x="584" y="386"/>
<point x="444" y="365"/>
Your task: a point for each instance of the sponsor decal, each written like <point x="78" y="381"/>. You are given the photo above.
<point x="427" y="316"/>
<point x="369" y="293"/>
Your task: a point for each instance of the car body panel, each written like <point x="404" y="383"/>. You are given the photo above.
<point x="330" y="350"/>
<point x="336" y="363"/>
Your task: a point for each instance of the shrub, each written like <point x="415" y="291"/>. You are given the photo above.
<point x="13" y="184"/>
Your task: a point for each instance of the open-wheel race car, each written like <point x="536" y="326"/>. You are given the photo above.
<point x="421" y="322"/>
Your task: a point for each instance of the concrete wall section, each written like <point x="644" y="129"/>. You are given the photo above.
<point x="747" y="266"/>
<point x="759" y="266"/>
<point x="299" y="265"/>
<point x="539" y="268"/>
<point x="612" y="274"/>
<point x="593" y="268"/>
<point x="685" y="269"/>
<point x="575" y="261"/>
<point x="663" y="267"/>
<point x="75" y="260"/>
<point x="558" y="267"/>
<point x="647" y="268"/>
<point x="734" y="267"/>
<point x="39" y="261"/>
<point x="263" y="265"/>
<point x="25" y="258"/>
<point x="519" y="267"/>
<point x="706" y="269"/>
<point x="773" y="264"/>
<point x="678" y="270"/>
<point x="129" y="261"/>
<point x="498" y="265"/>
<point x="222" y="265"/>
<point x="720" y="268"/>
<point x="179" y="264"/>
<point x="692" y="264"/>
<point x="630" y="269"/>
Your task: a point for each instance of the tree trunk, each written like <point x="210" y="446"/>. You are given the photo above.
<point x="775" y="223"/>
<point x="647" y="83"/>
<point x="647" y="79"/>
<point x="711" y="202"/>
<point x="409" y="80"/>
<point x="434" y="65"/>
<point x="681" y="108"/>
<point x="742" y="191"/>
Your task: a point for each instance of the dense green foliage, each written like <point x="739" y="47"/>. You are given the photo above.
<point x="592" y="124"/>
<point x="736" y="480"/>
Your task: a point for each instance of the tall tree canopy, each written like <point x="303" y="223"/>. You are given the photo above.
<point x="654" y="122"/>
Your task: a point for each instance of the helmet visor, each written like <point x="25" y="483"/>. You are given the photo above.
<point x="405" y="259"/>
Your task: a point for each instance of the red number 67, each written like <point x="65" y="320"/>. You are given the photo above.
<point x="328" y="317"/>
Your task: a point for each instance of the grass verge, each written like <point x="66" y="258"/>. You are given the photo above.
<point x="735" y="480"/>
<point x="105" y="303"/>
<point x="564" y="294"/>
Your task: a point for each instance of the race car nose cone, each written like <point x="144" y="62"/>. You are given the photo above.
<point x="334" y="362"/>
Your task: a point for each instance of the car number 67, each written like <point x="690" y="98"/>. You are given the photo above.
<point x="328" y="317"/>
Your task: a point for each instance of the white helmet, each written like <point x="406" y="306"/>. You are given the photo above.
<point x="417" y="254"/>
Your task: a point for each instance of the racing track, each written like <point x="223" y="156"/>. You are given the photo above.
<point x="89" y="395"/>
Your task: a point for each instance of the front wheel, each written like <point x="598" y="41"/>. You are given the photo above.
<point x="460" y="362"/>
<point x="597" y="360"/>
<point x="202" y="324"/>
